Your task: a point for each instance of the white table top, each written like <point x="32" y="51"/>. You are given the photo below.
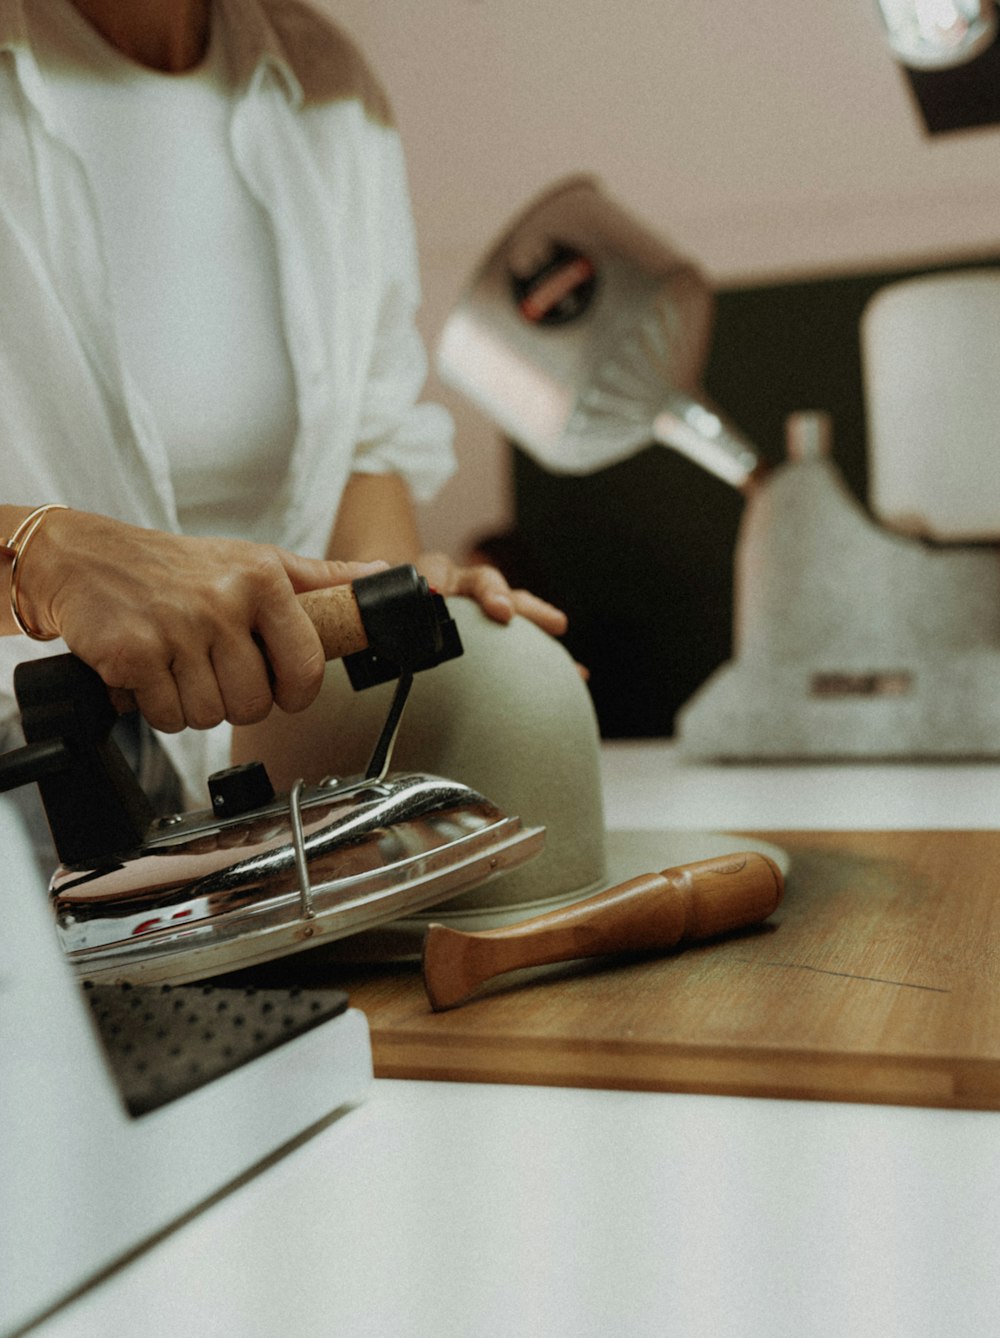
<point x="646" y="784"/>
<point x="436" y="1210"/>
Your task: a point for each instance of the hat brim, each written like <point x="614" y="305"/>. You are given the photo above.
<point x="628" y="854"/>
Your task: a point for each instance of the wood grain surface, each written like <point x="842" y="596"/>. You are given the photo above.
<point x="877" y="980"/>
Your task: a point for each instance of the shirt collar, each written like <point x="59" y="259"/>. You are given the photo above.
<point x="253" y="44"/>
<point x="14" y="41"/>
<point x="13" y="29"/>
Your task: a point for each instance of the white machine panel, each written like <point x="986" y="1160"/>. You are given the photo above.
<point x="931" y="353"/>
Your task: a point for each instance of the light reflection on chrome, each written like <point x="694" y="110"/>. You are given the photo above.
<point x="374" y="851"/>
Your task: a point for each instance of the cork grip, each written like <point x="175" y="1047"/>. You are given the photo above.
<point x="333" y="612"/>
<point x="653" y="912"/>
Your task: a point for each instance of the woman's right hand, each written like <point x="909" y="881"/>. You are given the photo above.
<point x="201" y="630"/>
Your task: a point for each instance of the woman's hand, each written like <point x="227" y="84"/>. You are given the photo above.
<point x="201" y="630"/>
<point x="489" y="588"/>
<point x="377" y="519"/>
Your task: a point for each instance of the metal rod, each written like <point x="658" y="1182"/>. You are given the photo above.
<point x="299" y="846"/>
<point x="382" y="755"/>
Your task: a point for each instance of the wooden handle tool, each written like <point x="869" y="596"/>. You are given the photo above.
<point x="653" y="911"/>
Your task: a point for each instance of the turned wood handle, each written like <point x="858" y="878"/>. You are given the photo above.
<point x="653" y="911"/>
<point x="333" y="612"/>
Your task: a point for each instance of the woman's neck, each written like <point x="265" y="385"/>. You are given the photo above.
<point x="167" y="35"/>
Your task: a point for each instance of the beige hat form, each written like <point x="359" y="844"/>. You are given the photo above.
<point x="513" y="719"/>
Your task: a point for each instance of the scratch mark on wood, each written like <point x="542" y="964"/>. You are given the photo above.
<point x="849" y="975"/>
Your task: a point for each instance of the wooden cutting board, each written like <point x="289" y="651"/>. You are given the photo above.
<point x="877" y="980"/>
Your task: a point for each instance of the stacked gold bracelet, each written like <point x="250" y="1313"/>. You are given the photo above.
<point x="15" y="547"/>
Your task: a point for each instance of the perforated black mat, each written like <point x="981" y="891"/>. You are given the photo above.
<point x="164" y="1041"/>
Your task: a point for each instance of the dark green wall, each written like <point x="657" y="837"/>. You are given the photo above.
<point x="640" y="555"/>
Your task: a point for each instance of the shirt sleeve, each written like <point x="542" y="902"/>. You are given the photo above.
<point x="398" y="433"/>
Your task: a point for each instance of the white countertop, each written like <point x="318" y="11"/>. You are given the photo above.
<point x="453" y="1211"/>
<point x="440" y="1210"/>
<point x="646" y="784"/>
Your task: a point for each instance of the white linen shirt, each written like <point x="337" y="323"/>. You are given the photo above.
<point x="313" y="140"/>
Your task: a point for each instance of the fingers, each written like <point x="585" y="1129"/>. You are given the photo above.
<point x="207" y="630"/>
<point x="243" y="684"/>
<point x="490" y="589"/>
<point x="291" y="642"/>
<point x="196" y="687"/>
<point x="320" y="573"/>
<point x="295" y="654"/>
<point x="158" y="699"/>
<point x="272" y="655"/>
<point x="231" y="683"/>
<point x="540" y="611"/>
<point x="199" y="630"/>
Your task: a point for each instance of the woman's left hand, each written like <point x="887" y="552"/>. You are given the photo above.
<point x="489" y="588"/>
<point x="376" y="520"/>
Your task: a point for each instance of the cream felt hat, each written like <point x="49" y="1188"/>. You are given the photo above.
<point x="512" y="718"/>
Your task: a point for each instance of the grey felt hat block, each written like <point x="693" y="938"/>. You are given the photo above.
<point x="513" y="719"/>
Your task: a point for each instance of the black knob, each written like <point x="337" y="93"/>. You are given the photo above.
<point x="239" y="790"/>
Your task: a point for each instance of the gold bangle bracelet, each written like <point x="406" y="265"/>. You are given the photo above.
<point x="16" y="545"/>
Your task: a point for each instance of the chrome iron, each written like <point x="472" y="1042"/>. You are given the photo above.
<point x="140" y="899"/>
<point x="203" y="897"/>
